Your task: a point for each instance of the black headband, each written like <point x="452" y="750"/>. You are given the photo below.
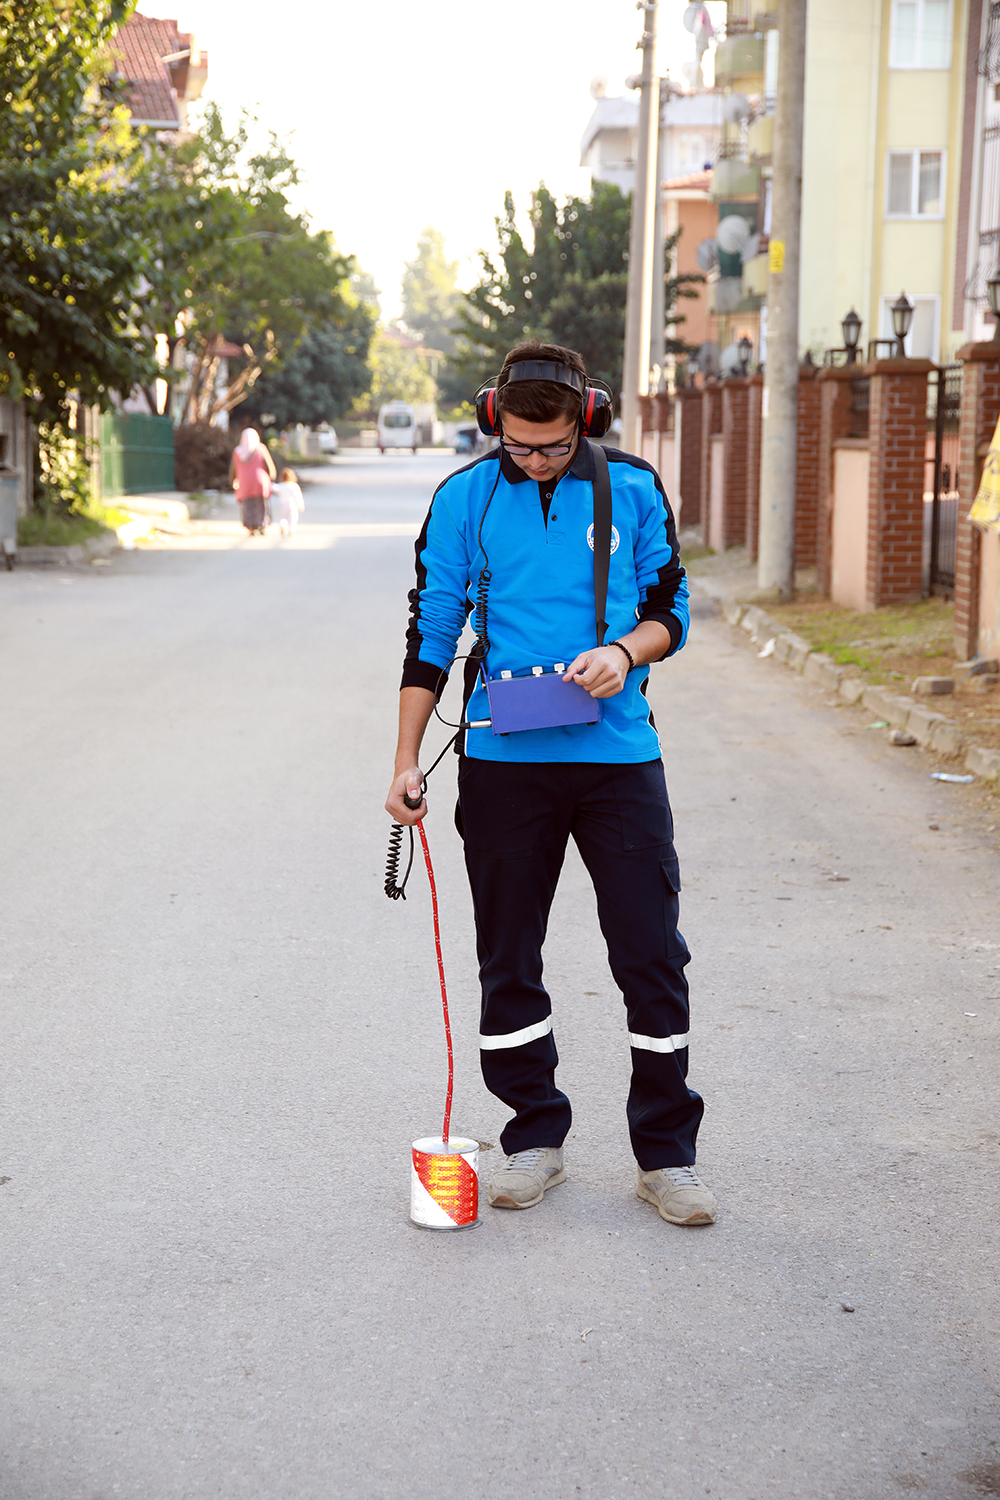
<point x="545" y="369"/>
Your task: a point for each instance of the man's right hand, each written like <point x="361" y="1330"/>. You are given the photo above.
<point x="407" y="783"/>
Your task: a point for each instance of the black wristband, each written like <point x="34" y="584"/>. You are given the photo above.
<point x="631" y="659"/>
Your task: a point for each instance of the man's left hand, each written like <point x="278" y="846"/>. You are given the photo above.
<point x="601" y="671"/>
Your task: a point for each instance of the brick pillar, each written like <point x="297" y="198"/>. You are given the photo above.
<point x="834" y="423"/>
<point x="807" y="470"/>
<point x="897" y="438"/>
<point x="755" y="409"/>
<point x="735" y="432"/>
<point x="711" y="423"/>
<point x="980" y="408"/>
<point x="688" y="430"/>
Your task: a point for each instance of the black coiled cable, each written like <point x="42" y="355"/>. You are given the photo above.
<point x="394" y="888"/>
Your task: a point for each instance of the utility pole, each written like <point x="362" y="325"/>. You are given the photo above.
<point x="779" y="442"/>
<point x="639" y="307"/>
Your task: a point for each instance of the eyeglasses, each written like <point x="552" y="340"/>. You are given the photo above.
<point x="549" y="450"/>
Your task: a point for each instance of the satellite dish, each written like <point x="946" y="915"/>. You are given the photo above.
<point x="707" y="255"/>
<point x="598" y="87"/>
<point x="729" y="359"/>
<point x="750" y="249"/>
<point x="691" y="18"/>
<point x="735" y="109"/>
<point x="689" y="70"/>
<point x="733" y="233"/>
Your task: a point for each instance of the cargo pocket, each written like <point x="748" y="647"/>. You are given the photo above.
<point x="671" y="873"/>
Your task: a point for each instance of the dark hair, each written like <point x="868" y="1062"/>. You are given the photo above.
<point x="540" y="400"/>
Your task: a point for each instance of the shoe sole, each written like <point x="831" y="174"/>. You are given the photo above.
<point x="502" y="1201"/>
<point x="697" y="1220"/>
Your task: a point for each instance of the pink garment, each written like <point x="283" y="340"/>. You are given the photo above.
<point x="252" y="475"/>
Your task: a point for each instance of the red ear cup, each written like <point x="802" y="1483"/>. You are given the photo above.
<point x="486" y="411"/>
<point x="598" y="410"/>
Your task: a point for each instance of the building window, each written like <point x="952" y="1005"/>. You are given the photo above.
<point x="920" y="34"/>
<point x="914" y="185"/>
<point x="925" y="329"/>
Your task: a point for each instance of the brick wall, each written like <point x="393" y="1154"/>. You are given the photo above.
<point x="687" y="417"/>
<point x="755" y="416"/>
<point x="807" y="470"/>
<point x="980" y="408"/>
<point x="711" y="423"/>
<point x="735" y="434"/>
<point x="897" y="438"/>
<point x="835" y="421"/>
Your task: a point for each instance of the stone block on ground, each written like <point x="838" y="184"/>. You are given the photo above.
<point x="946" y="738"/>
<point x="983" y="762"/>
<point x="733" y="611"/>
<point x="922" y="723"/>
<point x="823" y="669"/>
<point x="874" y="698"/>
<point x="932" y="687"/>
<point x="987" y="683"/>
<point x="851" y="688"/>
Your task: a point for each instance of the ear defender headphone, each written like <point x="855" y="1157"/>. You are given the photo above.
<point x="597" y="407"/>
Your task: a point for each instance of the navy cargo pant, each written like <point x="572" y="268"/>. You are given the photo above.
<point x="517" y="819"/>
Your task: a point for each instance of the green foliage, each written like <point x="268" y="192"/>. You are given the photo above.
<point x="568" y="287"/>
<point x="398" y="374"/>
<point x="233" y="261"/>
<point x="430" y="295"/>
<point x="63" y="473"/>
<point x="72" y="250"/>
<point x="324" y="376"/>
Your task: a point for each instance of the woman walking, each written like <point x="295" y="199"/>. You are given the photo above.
<point x="250" y="473"/>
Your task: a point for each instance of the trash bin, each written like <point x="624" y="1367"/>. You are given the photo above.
<point x="10" y="485"/>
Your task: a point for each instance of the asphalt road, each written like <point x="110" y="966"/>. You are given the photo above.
<point x="220" y="1039"/>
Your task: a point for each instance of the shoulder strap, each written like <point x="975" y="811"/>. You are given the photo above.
<point x="602" y="537"/>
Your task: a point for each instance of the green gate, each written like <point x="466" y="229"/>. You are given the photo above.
<point x="137" y="454"/>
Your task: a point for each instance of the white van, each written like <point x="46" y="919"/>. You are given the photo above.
<point x="397" y="426"/>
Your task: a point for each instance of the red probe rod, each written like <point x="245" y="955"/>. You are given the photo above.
<point x="444" y="991"/>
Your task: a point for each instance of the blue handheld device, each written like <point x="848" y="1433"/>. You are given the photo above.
<point x="538" y="699"/>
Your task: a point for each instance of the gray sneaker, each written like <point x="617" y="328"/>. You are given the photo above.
<point x="678" y="1194"/>
<point x="525" y="1176"/>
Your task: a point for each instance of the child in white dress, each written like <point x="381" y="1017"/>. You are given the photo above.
<point x="290" y="501"/>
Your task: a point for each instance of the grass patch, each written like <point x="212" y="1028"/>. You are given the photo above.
<point x="47" y="528"/>
<point x="891" y="644"/>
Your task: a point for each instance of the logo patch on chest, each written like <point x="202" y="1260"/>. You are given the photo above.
<point x="614" y="537"/>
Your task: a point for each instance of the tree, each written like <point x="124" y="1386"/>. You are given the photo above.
<point x="323" y="378"/>
<point x="568" y="287"/>
<point x="232" y="262"/>
<point x="72" y="251"/>
<point x="397" y="372"/>
<point x="430" y="295"/>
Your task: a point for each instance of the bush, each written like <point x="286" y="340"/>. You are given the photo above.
<point x="201" y="457"/>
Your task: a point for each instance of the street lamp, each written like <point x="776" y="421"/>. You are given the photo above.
<point x="746" y="349"/>
<point x="850" y="327"/>
<point x="902" y="317"/>
<point x="993" y="292"/>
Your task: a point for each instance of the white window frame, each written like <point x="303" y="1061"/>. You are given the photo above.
<point x="915" y="153"/>
<point x="885" y="320"/>
<point x="919" y="63"/>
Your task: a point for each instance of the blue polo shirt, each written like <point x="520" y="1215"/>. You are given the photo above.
<point x="537" y="540"/>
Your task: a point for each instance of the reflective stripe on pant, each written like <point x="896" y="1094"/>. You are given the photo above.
<point x="517" y="821"/>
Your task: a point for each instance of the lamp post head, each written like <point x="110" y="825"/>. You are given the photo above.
<point x="850" y="327"/>
<point x="746" y="350"/>
<point x="902" y="317"/>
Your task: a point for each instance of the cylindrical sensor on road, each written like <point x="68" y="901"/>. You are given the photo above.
<point x="444" y="1183"/>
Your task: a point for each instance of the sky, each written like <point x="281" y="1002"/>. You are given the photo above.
<point x="402" y="115"/>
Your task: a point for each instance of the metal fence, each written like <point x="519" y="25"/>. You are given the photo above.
<point x="860" y="399"/>
<point x="944" y="405"/>
<point x="137" y="454"/>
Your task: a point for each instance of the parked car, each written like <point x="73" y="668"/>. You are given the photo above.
<point x="467" y="440"/>
<point x="328" y="440"/>
<point x="397" y="426"/>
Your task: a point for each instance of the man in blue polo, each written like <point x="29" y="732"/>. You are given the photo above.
<point x="516" y="531"/>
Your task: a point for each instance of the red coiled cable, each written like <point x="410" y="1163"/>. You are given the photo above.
<point x="444" y="990"/>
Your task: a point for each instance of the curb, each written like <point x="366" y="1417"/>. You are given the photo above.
<point x="78" y="552"/>
<point x="931" y="730"/>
